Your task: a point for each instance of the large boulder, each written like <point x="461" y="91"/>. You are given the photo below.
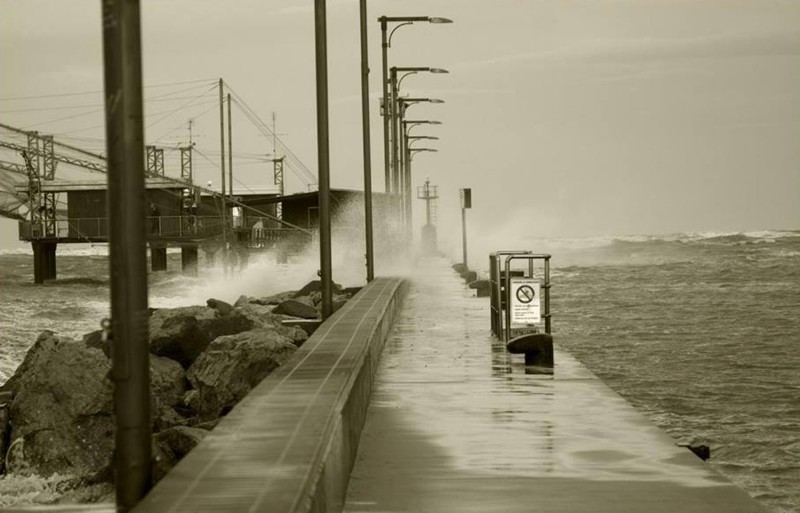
<point x="181" y="439"/>
<point x="263" y="317"/>
<point x="243" y="300"/>
<point x="167" y="380"/>
<point x="5" y="428"/>
<point x="183" y="333"/>
<point x="232" y="366"/>
<point x="296" y="334"/>
<point x="311" y="300"/>
<point x="316" y="286"/>
<point x="295" y="308"/>
<point x="95" y="339"/>
<point x="61" y="411"/>
<point x="221" y="307"/>
<point x="274" y="299"/>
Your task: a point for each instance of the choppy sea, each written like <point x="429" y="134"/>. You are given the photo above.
<point x="699" y="331"/>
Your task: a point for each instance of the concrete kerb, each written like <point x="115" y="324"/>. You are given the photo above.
<point x="338" y="455"/>
<point x="307" y="416"/>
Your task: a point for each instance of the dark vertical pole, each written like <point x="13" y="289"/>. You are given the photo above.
<point x="128" y="258"/>
<point x="230" y="150"/>
<point x="222" y="178"/>
<point x="322" y="156"/>
<point x="547" y="325"/>
<point x="464" y="234"/>
<point x="395" y="148"/>
<point x="401" y="155"/>
<point x="386" y="109"/>
<point x="230" y="176"/>
<point x="407" y="191"/>
<point x="407" y="176"/>
<point x="367" y="149"/>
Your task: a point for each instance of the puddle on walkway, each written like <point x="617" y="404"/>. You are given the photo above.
<point x="446" y="377"/>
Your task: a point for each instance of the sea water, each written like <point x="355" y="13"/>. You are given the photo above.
<point x="699" y="331"/>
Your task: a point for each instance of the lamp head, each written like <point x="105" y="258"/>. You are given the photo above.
<point x="438" y="70"/>
<point x="437" y="19"/>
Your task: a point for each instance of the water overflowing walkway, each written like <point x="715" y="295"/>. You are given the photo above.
<point x="456" y="424"/>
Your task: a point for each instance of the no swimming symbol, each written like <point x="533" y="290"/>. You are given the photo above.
<point x="525" y="294"/>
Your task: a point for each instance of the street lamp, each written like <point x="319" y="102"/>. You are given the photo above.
<point x="411" y="123"/>
<point x="397" y="117"/>
<point x="369" y="254"/>
<point x="386" y="42"/>
<point x="404" y="177"/>
<point x="407" y="126"/>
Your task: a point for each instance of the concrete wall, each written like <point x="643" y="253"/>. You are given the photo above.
<point x="290" y="444"/>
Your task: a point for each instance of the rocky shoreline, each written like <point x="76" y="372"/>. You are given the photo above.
<point x="56" y="411"/>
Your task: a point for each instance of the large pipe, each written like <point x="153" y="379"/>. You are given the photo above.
<point x="128" y="259"/>
<point x="366" y="144"/>
<point x="323" y="157"/>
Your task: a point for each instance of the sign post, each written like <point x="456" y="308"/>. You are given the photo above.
<point x="466" y="202"/>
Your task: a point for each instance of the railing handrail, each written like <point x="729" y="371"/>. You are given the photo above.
<point x="174" y="226"/>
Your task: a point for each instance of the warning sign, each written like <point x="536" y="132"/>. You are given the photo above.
<point x="525" y="304"/>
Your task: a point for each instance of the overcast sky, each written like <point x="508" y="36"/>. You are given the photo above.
<point x="569" y="118"/>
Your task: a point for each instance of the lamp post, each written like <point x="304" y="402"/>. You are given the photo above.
<point x="386" y="43"/>
<point x="366" y="143"/>
<point x="407" y="126"/>
<point x="396" y="116"/>
<point x="130" y="367"/>
<point x="323" y="153"/>
<point x="405" y="175"/>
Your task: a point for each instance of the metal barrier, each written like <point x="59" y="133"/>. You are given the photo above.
<point x="516" y="307"/>
<point x="95" y="229"/>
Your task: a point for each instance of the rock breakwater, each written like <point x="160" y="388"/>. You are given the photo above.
<point x="57" y="408"/>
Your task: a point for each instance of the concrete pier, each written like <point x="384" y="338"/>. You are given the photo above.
<point x="44" y="261"/>
<point x="456" y="423"/>
<point x="158" y="258"/>
<point x="189" y="260"/>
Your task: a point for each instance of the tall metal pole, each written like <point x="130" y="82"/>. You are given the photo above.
<point x="366" y="144"/>
<point x="395" y="148"/>
<point x="222" y="177"/>
<point x="401" y="155"/>
<point x="130" y="372"/>
<point x="323" y="157"/>
<point x="386" y="107"/>
<point x="230" y="150"/>
<point x="406" y="176"/>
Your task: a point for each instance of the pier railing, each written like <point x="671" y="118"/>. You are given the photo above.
<point x="251" y="232"/>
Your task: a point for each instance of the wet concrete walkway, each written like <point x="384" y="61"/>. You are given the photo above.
<point x="456" y="425"/>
